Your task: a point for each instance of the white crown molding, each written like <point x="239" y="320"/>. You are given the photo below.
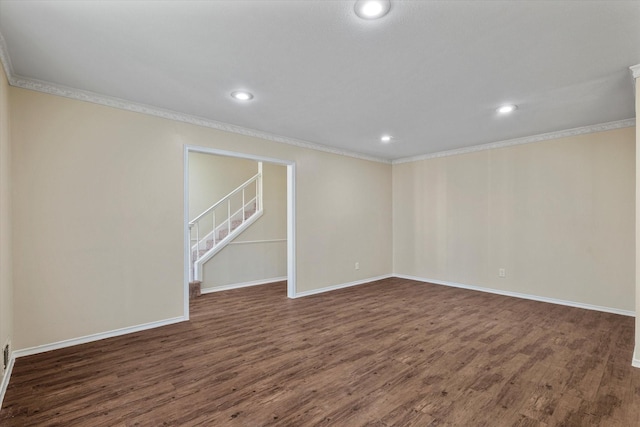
<point x="82" y="95"/>
<point x="525" y="140"/>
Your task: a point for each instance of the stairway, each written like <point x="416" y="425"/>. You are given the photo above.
<point x="215" y="239"/>
<point x="226" y="219"/>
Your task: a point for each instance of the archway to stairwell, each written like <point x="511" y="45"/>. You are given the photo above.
<point x="195" y="152"/>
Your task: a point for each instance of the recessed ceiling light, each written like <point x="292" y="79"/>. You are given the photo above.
<point x="242" y="95"/>
<point x="372" y="9"/>
<point x="386" y="138"/>
<point x="506" y="109"/>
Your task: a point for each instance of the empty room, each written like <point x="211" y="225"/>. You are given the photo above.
<point x="319" y="213"/>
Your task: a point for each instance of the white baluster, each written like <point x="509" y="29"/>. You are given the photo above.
<point x="229" y="216"/>
<point x="259" y="193"/>
<point x="197" y="242"/>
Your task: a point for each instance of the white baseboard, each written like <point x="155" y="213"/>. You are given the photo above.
<point x="6" y="377"/>
<point x="95" y="337"/>
<point x="242" y="285"/>
<point x="519" y="295"/>
<point x="339" y="286"/>
<point x="636" y="357"/>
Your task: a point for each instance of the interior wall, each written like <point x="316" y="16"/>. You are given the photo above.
<point x="260" y="252"/>
<point x="558" y="216"/>
<point x="6" y="276"/>
<point x="213" y="177"/>
<point x="98" y="203"/>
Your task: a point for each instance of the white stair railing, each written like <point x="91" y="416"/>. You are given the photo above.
<point x="223" y="221"/>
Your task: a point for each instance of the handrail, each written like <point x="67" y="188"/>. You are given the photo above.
<point x="218" y="203"/>
<point x="234" y="223"/>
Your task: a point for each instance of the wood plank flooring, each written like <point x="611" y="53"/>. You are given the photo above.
<point x="389" y="353"/>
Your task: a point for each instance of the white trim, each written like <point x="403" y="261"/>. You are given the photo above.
<point x="96" y="337"/>
<point x="186" y="274"/>
<point x="197" y="266"/>
<point x="291" y="231"/>
<point x="221" y="227"/>
<point x="123" y="104"/>
<point x="227" y="153"/>
<point x="95" y="98"/>
<point x="247" y="242"/>
<point x="635" y="362"/>
<point x="77" y="94"/>
<point x="340" y="286"/>
<point x="519" y="295"/>
<point x="291" y="210"/>
<point x="6" y="378"/>
<point x="525" y="140"/>
<point x="242" y="285"/>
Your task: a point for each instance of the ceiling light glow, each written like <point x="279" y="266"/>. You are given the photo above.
<point x="386" y="138"/>
<point x="506" y="109"/>
<point x="242" y="95"/>
<point x="372" y="9"/>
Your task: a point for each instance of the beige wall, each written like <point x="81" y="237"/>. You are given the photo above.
<point x="6" y="281"/>
<point x="345" y="216"/>
<point x="557" y="215"/>
<point x="212" y="177"/>
<point x="260" y="252"/>
<point x="99" y="208"/>
<point x="98" y="203"/>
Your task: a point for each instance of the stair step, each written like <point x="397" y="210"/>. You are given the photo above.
<point x="194" y="289"/>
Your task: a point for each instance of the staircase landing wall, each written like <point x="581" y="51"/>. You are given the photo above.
<point x="260" y="252"/>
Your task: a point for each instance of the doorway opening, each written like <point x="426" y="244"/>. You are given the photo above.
<point x="241" y="160"/>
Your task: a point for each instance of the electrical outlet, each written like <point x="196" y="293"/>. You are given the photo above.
<point x="502" y="272"/>
<point x="357" y="266"/>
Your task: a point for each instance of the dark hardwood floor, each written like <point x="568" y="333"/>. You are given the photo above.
<point x="393" y="352"/>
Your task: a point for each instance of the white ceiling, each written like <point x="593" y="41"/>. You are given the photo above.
<point x="430" y="73"/>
